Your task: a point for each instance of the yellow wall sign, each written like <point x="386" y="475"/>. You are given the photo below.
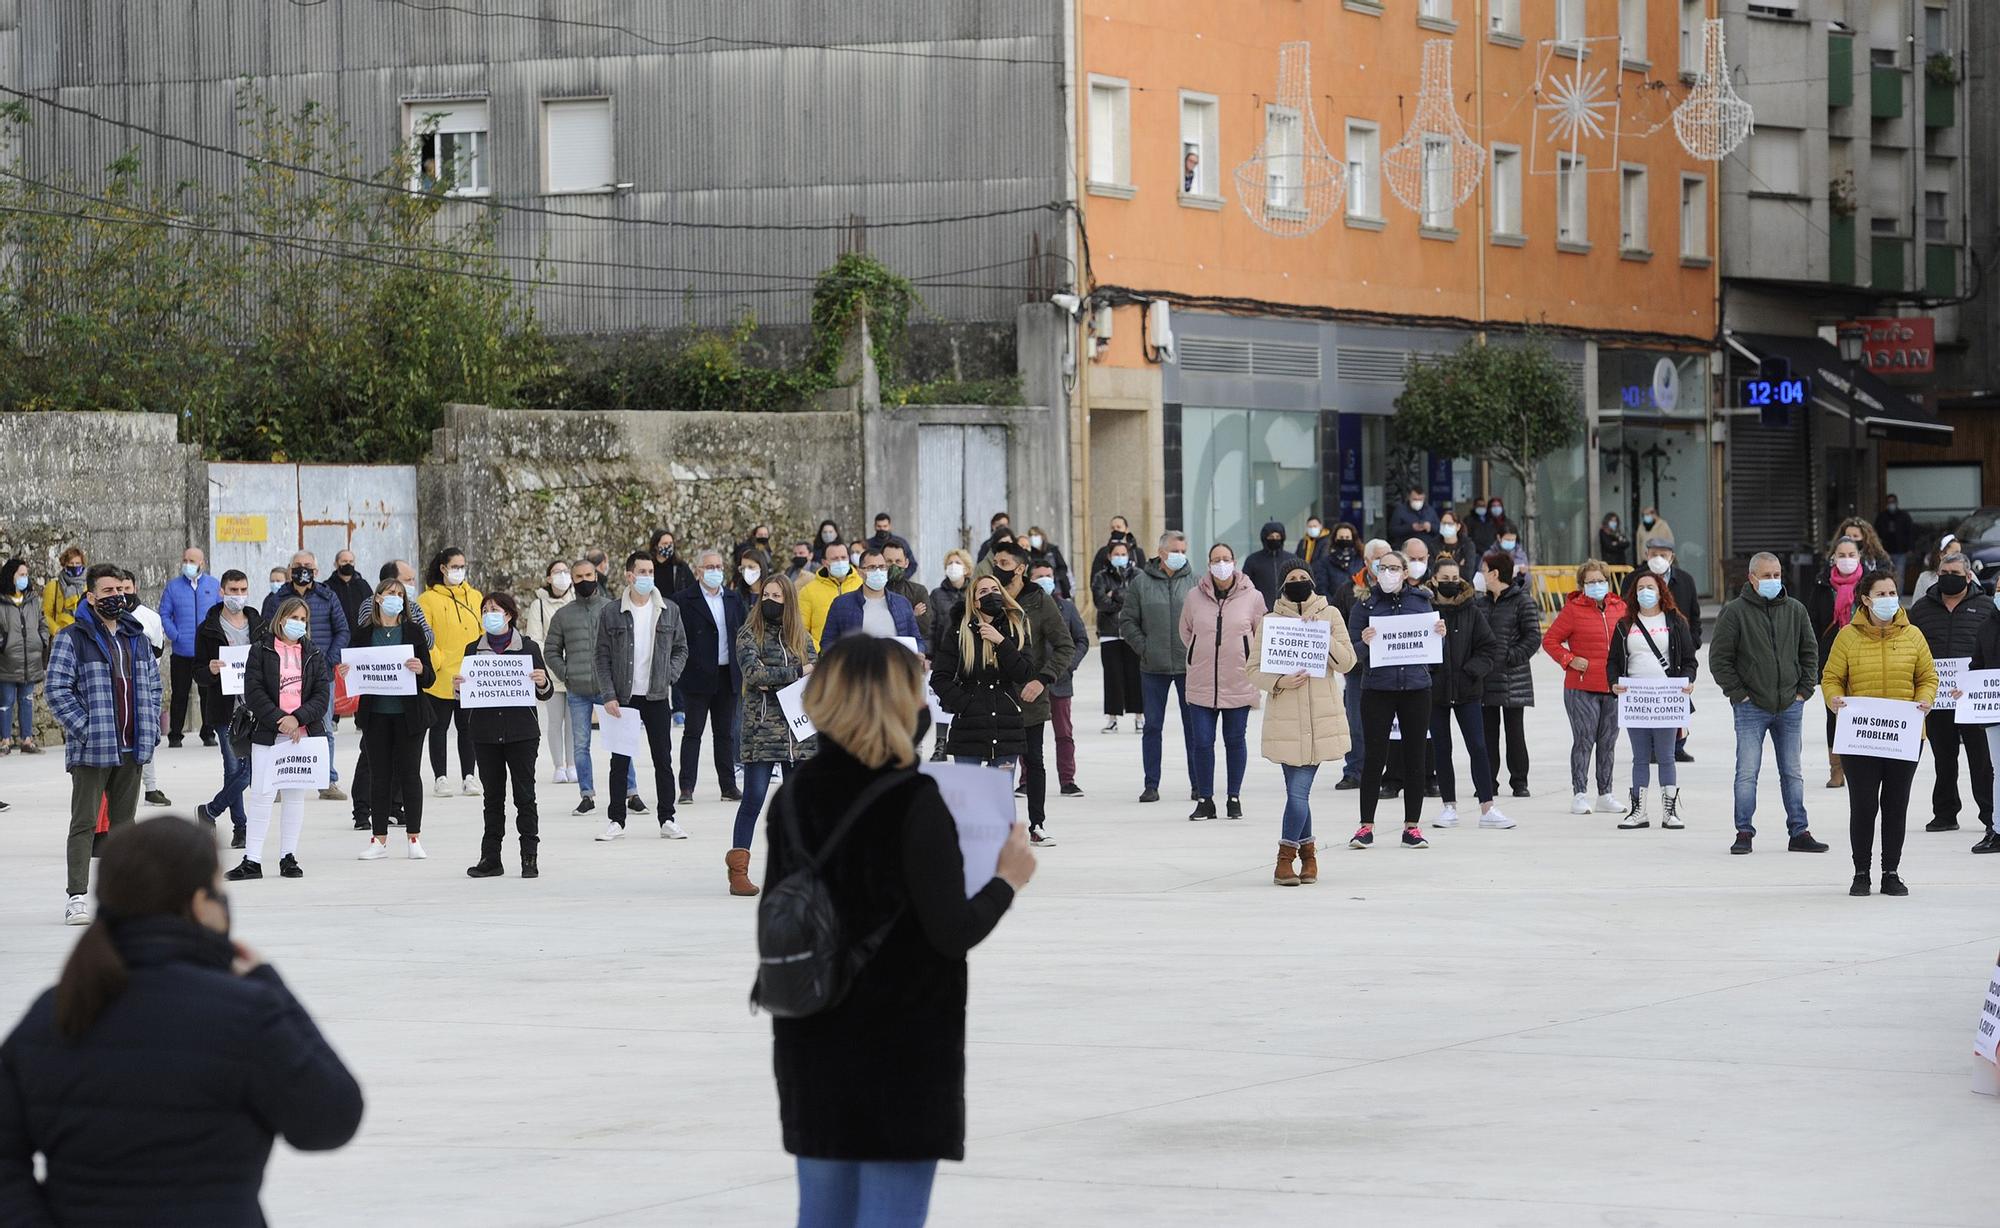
<point x="241" y="529"/>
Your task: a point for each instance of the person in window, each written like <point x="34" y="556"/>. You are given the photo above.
<point x="1190" y="170"/>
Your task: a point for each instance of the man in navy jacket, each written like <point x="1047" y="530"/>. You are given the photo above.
<point x="187" y="600"/>
<point x="872" y="602"/>
<point x="711" y="613"/>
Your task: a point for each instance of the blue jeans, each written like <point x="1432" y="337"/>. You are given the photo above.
<point x="1650" y="746"/>
<point x="756" y="783"/>
<point x="579" y="741"/>
<point x="1350" y="699"/>
<point x="1154" y="689"/>
<point x="1472" y="727"/>
<point x="1752" y="722"/>
<point x="1201" y="747"/>
<point x="18" y="698"/>
<point x="1298" y="821"/>
<point x="235" y="779"/>
<point x="864" y="1193"/>
<point x="332" y="772"/>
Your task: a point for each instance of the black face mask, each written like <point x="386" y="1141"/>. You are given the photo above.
<point x="1343" y="543"/>
<point x="666" y="552"/>
<point x="763" y="543"/>
<point x="585" y="589"/>
<point x="773" y="611"/>
<point x="1951" y="585"/>
<point x="1274" y="543"/>
<point x="993" y="605"/>
<point x="302" y="576"/>
<point x="346" y="571"/>
<point x="114" y="606"/>
<point x="1296" y="591"/>
<point x="1450" y="588"/>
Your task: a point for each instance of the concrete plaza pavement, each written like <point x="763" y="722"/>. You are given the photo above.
<point x="1562" y="1024"/>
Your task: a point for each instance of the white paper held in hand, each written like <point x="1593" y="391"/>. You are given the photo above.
<point x="379" y="671"/>
<point x="1883" y="728"/>
<point x="1294" y="644"/>
<point x="1405" y="639"/>
<point x="624" y="734"/>
<point x="496" y="680"/>
<point x="1654" y="703"/>
<point x="303" y="764"/>
<point x="233" y="661"/>
<point x="981" y="800"/>
<point x="1949" y="671"/>
<point x="792" y="701"/>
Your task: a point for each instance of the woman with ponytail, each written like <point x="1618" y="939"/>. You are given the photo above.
<point x="152" y="1079"/>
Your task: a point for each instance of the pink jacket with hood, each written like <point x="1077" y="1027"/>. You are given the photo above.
<point x="1220" y="631"/>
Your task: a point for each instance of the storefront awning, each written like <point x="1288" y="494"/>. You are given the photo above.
<point x="1852" y="392"/>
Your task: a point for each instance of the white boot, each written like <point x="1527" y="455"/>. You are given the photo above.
<point x="1670" y="805"/>
<point x="1635" y="818"/>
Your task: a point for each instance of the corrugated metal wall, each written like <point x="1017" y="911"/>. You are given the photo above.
<point x="930" y="124"/>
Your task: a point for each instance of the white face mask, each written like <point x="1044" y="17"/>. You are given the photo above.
<point x="1449" y="532"/>
<point x="1034" y="541"/>
<point x="455" y="577"/>
<point x="750" y="576"/>
<point x="954" y="572"/>
<point x="1478" y="581"/>
<point x="1658" y="564"/>
<point x="1389" y="581"/>
<point x="1222" y="571"/>
<point x="559" y="582"/>
<point x="1846" y="566"/>
<point x="1418" y="567"/>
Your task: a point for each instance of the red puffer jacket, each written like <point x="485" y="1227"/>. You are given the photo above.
<point x="1583" y="629"/>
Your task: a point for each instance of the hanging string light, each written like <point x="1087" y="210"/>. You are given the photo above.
<point x="1292" y="185"/>
<point x="1437" y="166"/>
<point x="1713" y="120"/>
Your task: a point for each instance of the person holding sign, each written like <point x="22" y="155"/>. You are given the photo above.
<point x="393" y="726"/>
<point x="1580" y="641"/>
<point x="232" y="623"/>
<point x="1305" y="721"/>
<point x="1878" y="656"/>
<point x="1653" y="640"/>
<point x="1471" y="653"/>
<point x="772" y="653"/>
<point x="288" y="688"/>
<point x="1219" y="625"/>
<point x="1951" y="615"/>
<point x="1392" y="695"/>
<point x="1986" y="656"/>
<point x="978" y="673"/>
<point x="505" y="739"/>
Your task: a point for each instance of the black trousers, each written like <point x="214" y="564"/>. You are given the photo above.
<point x="1035" y="775"/>
<point x="1945" y="737"/>
<point x="1517" y="744"/>
<point x="1121" y="679"/>
<point x="700" y="708"/>
<point x="498" y="762"/>
<point x="1380" y="709"/>
<point x="390" y="772"/>
<point x="1873" y="784"/>
<point x="182" y="673"/>
<point x="444" y="713"/>
<point x="658" y="717"/>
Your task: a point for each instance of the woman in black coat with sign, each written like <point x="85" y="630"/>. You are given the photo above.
<point x="1471" y="654"/>
<point x="393" y="727"/>
<point x="978" y="672"/>
<point x="504" y="741"/>
<point x="154" y="1076"/>
<point x="288" y="687"/>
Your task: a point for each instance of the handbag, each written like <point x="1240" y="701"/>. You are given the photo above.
<point x="344" y="704"/>
<point x="241" y="724"/>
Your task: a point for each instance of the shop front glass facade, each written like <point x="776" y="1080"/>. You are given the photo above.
<point x="1242" y="467"/>
<point x="1653" y="451"/>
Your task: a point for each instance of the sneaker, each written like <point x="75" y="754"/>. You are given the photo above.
<point x="686" y="799"/>
<point x="376" y="850"/>
<point x="1233" y="809"/>
<point x="363" y="825"/>
<point x="1347" y="783"/>
<point x="1859" y="886"/>
<point x="441" y="787"/>
<point x="1364" y="837"/>
<point x="1110" y="726"/>
<point x="469" y="787"/>
<point x="248" y="869"/>
<point x="1742" y="845"/>
<point x="584" y="806"/>
<point x="1413" y="838"/>
<point x="1941" y="825"/>
<point x="1804" y="843"/>
<point x="1150" y="795"/>
<point x="1521" y="791"/>
<point x="636" y="804"/>
<point x="1893" y="885"/>
<point x="333" y="793"/>
<point x="1493" y="820"/>
<point x="1682" y="756"/>
<point x="1387" y="790"/>
<point x="612" y="831"/>
<point x="29" y="747"/>
<point x="1607" y="804"/>
<point x="156" y="798"/>
<point x="1203" y="809"/>
<point x="670" y="830"/>
<point x="5" y="807"/>
<point x="1040" y="839"/>
<point x="417" y="849"/>
<point x="174" y="743"/>
<point x="1072" y="789"/>
<point x="1021" y="790"/>
<point x="77" y="911"/>
<point x="731" y="794"/>
<point x="485" y="869"/>
<point x="1580" y="804"/>
<point x="1448" y="817"/>
<point x="1433" y="791"/>
<point x="208" y="740"/>
<point x="288" y="867"/>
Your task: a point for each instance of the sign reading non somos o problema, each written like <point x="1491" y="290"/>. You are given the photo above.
<point x="1405" y="639"/>
<point x="1884" y="728"/>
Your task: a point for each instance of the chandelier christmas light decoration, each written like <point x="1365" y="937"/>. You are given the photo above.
<point x="1713" y="121"/>
<point x="1292" y="186"/>
<point x="1436" y="167"/>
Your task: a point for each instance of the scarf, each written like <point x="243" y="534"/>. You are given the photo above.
<point x="1844" y="588"/>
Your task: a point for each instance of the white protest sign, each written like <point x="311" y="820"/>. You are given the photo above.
<point x="1949" y="672"/>
<point x="1405" y="639"/>
<point x="1980" y="705"/>
<point x="496" y="680"/>
<point x="233" y="660"/>
<point x="304" y="764"/>
<point x="792" y="701"/>
<point x="981" y="800"/>
<point x="1884" y="728"/>
<point x="379" y="671"/>
<point x="624" y="734"/>
<point x="1294" y="644"/>
<point x="1986" y="1041"/>
<point x="1654" y="703"/>
<point x="909" y="642"/>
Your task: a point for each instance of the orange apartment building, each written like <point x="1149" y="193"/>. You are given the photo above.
<point x="1275" y="399"/>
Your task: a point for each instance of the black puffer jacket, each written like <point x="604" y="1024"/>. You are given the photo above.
<point x="209" y="641"/>
<point x="1107" y="594"/>
<point x="1471" y="652"/>
<point x="1951" y="633"/>
<point x="514" y="724"/>
<point x="984" y="700"/>
<point x="1265" y="568"/>
<point x="263" y="676"/>
<point x="1517" y="626"/>
<point x="163" y="1113"/>
<point x="942" y="615"/>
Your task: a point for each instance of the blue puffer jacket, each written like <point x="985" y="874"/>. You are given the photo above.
<point x="82" y="696"/>
<point x="329" y="631"/>
<point x="164" y="1111"/>
<point x="844" y="617"/>
<point x="183" y="604"/>
<point x="1377" y="604"/>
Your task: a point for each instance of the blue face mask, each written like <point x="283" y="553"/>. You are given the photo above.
<point x="1047" y="584"/>
<point x="1120" y="562"/>
<point x="277" y="586"/>
<point x="190" y="570"/>
<point x="21" y="582"/>
<point x="838" y="569"/>
<point x="1769" y="589"/>
<point x="1176" y="559"/>
<point x="1508" y="544"/>
<point x="712" y="577"/>
<point x="392" y="606"/>
<point x="642" y="584"/>
<point x="295" y="629"/>
<point x="494" y="621"/>
<point x="1884" y="608"/>
<point x="1596" y="590"/>
<point x="876" y="579"/>
<point x="1648" y="597"/>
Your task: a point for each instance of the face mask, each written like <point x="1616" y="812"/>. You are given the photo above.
<point x="1222" y="571"/>
<point x="801" y="561"/>
<point x="773" y="611"/>
<point x="955" y="572"/>
<point x="666" y="552"/>
<point x="1296" y="591"/>
<point x="1449" y="532"/>
<point x="1611" y="526"/>
<point x="1417" y="568"/>
<point x="1846" y="566"/>
<point x="1648" y="520"/>
<point x="302" y="576"/>
<point x="1892" y="505"/>
<point x="1769" y="589"/>
<point x="897" y="573"/>
<point x="586" y="589"/>
<point x="1507" y="544"/>
<point x="1047" y="584"/>
<point x="73" y="571"/>
<point x="235" y="602"/>
<point x="1312" y="530"/>
<point x="1121" y="562"/>
<point x="838" y="569"/>
<point x="1494" y="510"/>
<point x="1479" y="512"/>
<point x="642" y="584"/>
<point x="1343" y="543"/>
<point x="391" y="606"/>
<point x="114" y="606"/>
<point x="829" y="535"/>
<point x="993" y="605"/>
<point x="1884" y="608"/>
<point x="1176" y="559"/>
<point x="345" y="571"/>
<point x="190" y="570"/>
<point x="1450" y="588"/>
<point x="1951" y="585"/>
<point x="455" y="577"/>
<point x="21" y="582"/>
<point x="750" y="576"/>
<point x="494" y="622"/>
<point x="559" y="582"/>
<point x="712" y="577"/>
<point x="1389" y="581"/>
<point x="1596" y="590"/>
<point x="1659" y="564"/>
<point x="1479" y="584"/>
<point x="763" y="541"/>
<point x="1648" y="597"/>
<point x="295" y="629"/>
<point x="876" y="578"/>
<point x="1416" y="505"/>
<point x="277" y="586"/>
<point x="1034" y="541"/>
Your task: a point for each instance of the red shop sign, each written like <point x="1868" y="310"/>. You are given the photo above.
<point x="1900" y="346"/>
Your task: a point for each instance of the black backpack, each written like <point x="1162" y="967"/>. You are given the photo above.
<point x="805" y="962"/>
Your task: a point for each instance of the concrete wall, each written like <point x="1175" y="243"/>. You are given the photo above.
<point x="120" y="485"/>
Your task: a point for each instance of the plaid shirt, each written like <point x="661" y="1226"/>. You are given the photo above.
<point x="83" y="696"/>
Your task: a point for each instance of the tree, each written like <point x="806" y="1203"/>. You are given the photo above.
<point x="1510" y="404"/>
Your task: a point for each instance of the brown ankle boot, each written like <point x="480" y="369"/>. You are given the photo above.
<point x="1308" y="862"/>
<point x="1838" y="778"/>
<point x="738" y="861"/>
<point x="1287" y="875"/>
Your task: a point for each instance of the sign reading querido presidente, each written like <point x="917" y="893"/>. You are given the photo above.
<point x="1295" y="644"/>
<point x="1884" y="728"/>
<point x="1653" y="703"/>
<point x="1405" y="639"/>
<point x="496" y="680"/>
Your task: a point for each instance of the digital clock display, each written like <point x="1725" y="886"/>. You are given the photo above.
<point x="1768" y="393"/>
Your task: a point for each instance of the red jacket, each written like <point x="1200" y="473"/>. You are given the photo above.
<point x="1583" y="629"/>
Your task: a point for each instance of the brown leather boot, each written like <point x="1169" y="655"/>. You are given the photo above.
<point x="1308" y="862"/>
<point x="1287" y="875"/>
<point x="1838" y="778"/>
<point x="738" y="861"/>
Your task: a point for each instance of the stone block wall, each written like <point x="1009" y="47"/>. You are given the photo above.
<point x="121" y="485"/>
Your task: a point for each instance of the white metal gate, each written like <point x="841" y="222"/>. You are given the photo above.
<point x="260" y="514"/>
<point x="961" y="482"/>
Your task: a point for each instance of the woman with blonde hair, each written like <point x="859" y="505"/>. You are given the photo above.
<point x="978" y="670"/>
<point x="773" y="652"/>
<point x="1305" y="723"/>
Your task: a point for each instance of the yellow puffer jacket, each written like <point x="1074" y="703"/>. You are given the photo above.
<point x="1871" y="662"/>
<point x="453" y="613"/>
<point x="1306" y="724"/>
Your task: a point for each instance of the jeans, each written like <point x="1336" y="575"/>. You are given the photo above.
<point x="756" y="783"/>
<point x="1472" y="726"/>
<point x="1650" y="746"/>
<point x="1155" y="688"/>
<point x="1202" y="724"/>
<point x="1945" y="736"/>
<point x="1298" y="820"/>
<point x="864" y="1193"/>
<point x="235" y="779"/>
<point x="721" y="706"/>
<point x="500" y="762"/>
<point x="18" y="698"/>
<point x="1874" y="783"/>
<point x="1517" y="745"/>
<point x="1350" y="699"/>
<point x="1593" y="725"/>
<point x="658" y="720"/>
<point x="579" y="735"/>
<point x="1752" y="723"/>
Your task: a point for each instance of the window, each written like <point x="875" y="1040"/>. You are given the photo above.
<point x="451" y="146"/>
<point x="1694" y="13"/>
<point x="1632" y="31"/>
<point x="1774" y="8"/>
<point x="1777" y="161"/>
<point x="1632" y="235"/>
<point x="1364" y="167"/>
<point x="1572" y="200"/>
<point x="1569" y="21"/>
<point x="1199" y="146"/>
<point x="1504" y="17"/>
<point x="1110" y="135"/>
<point x="1434" y="10"/>
<point x="1694" y="217"/>
<point x="1937" y="31"/>
<point x="1506" y="190"/>
<point x="1888" y="189"/>
<point x="576" y="145"/>
<point x="1882" y="57"/>
<point x="1937" y="217"/>
<point x="1284" y="159"/>
<point x="1437" y="182"/>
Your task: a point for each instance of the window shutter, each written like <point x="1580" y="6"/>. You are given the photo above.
<point x="577" y="145"/>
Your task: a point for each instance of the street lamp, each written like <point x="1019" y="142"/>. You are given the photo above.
<point x="1853" y="338"/>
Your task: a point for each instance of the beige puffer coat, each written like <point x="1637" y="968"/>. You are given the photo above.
<point x="1306" y="724"/>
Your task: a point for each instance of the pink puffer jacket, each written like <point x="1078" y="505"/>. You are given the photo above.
<point x="1220" y="631"/>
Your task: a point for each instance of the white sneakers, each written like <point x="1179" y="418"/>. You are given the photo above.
<point x="670" y="830"/>
<point x="1493" y="820"/>
<point x="612" y="831"/>
<point x="417" y="849"/>
<point x="441" y="787"/>
<point x="1607" y="804"/>
<point x="1448" y="817"/>
<point x="564" y="776"/>
<point x="1581" y="804"/>
<point x="376" y="850"/>
<point x="77" y="911"/>
<point x="471" y="787"/>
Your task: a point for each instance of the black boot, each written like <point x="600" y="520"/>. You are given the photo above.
<point x="487" y="868"/>
<point x="530" y="867"/>
<point x="1204" y="808"/>
<point x="249" y="869"/>
<point x="1235" y="808"/>
<point x="1859" y="886"/>
<point x="237" y="839"/>
<point x="1892" y="884"/>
